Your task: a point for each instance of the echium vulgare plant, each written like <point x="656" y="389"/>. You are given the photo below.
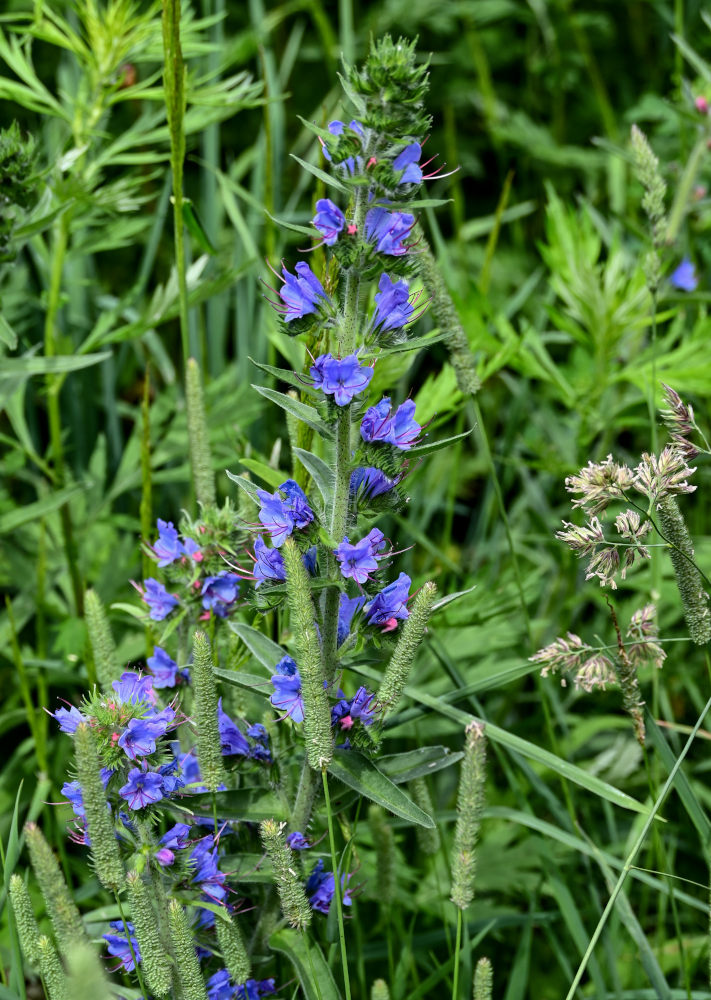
<point x="178" y="797"/>
<point x="645" y="498"/>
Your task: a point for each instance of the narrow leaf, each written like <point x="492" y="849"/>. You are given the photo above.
<point x="266" y="651"/>
<point x="361" y="774"/>
<point x="401" y="767"/>
<point x="306" y="414"/>
<point x="319" y="471"/>
<point x="327" y="179"/>
<point x="271" y="476"/>
<point x="426" y="449"/>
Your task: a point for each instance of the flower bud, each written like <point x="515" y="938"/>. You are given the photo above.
<point x="232" y="946"/>
<point x="294" y="904"/>
<point x="483" y="979"/>
<point x="688" y="579"/>
<point x="27" y="928"/>
<point x="53" y="976"/>
<point x="58" y="900"/>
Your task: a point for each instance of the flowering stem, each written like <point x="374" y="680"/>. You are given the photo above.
<point x="130" y="945"/>
<point x="337" y="887"/>
<point x="457" y="946"/>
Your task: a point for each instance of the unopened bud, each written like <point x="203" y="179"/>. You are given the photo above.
<point x="27" y="928"/>
<point x="188" y="968"/>
<point x="483" y="979"/>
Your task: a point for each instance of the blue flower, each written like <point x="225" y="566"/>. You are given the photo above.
<point x="393" y="308"/>
<point x="131" y="689"/>
<point x="342" y="378"/>
<point x="172" y="781"/>
<point x="72" y="790"/>
<point x="302" y="293"/>
<point x="297" y="841"/>
<point x="684" y="277"/>
<point x="164" y="670"/>
<point x="142" y="788"/>
<point x="369" y="482"/>
<point x="359" y="560"/>
<point x="390" y="604"/>
<point x="69" y="719"/>
<point x="139" y="737"/>
<point x="347" y="608"/>
<point x="310" y="560"/>
<point x="329" y="220"/>
<point x="176" y="838"/>
<point x="400" y="430"/>
<point x="219" y="592"/>
<point x="254" y="989"/>
<point x="387" y="230"/>
<point x="321" y="887"/>
<point x="408" y="161"/>
<point x="287" y="689"/>
<point x="158" y="599"/>
<point x="297" y="502"/>
<point x="168" y="548"/>
<point x="279" y="516"/>
<point x="363" y="706"/>
<point x="232" y="740"/>
<point x="119" y="946"/>
<point x="219" y="986"/>
<point x="269" y="563"/>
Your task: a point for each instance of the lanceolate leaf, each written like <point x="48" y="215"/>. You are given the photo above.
<point x="249" y="804"/>
<point x="266" y="651"/>
<point x="60" y="364"/>
<point x="306" y="414"/>
<point x="401" y="767"/>
<point x="361" y="774"/>
<point x="426" y="449"/>
<point x="271" y="476"/>
<point x="328" y="179"/>
<point x="314" y="975"/>
<point x="319" y="471"/>
<point x="244" y="484"/>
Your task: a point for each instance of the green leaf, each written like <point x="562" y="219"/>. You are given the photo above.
<point x="401" y="767"/>
<point x="12" y="367"/>
<point x="327" y="179"/>
<point x="361" y="774"/>
<point x="444" y="601"/>
<point x="273" y="477"/>
<point x="7" y="334"/>
<point x="266" y="651"/>
<point x="244" y="484"/>
<point x="684" y="790"/>
<point x="248" y="804"/>
<point x="319" y="471"/>
<point x="284" y="375"/>
<point x="426" y="449"/>
<point x="306" y="414"/>
<point x="411" y="344"/>
<point x="302" y="230"/>
<point x="314" y="975"/>
<point x="196" y="228"/>
<point x="14" y="519"/>
<point x="240" y="678"/>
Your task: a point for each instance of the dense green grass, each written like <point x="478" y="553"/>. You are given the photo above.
<point x="542" y="248"/>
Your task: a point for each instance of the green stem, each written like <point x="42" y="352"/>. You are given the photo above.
<point x="306" y="792"/>
<point x="457" y="946"/>
<point x="337" y="887"/>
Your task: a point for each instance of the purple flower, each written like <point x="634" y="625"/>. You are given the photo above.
<point x="408" y="161"/>
<point x="342" y="378"/>
<point x="684" y="277"/>
<point x="387" y="230"/>
<point x="370" y="482"/>
<point x="191" y="770"/>
<point x="297" y="841"/>
<point x="350" y="164"/>
<point x="168" y="548"/>
<point x="400" y="429"/>
<point x="164" y="670"/>
<point x="363" y="706"/>
<point x="172" y="781"/>
<point x="255" y="989"/>
<point x="393" y="308"/>
<point x="69" y="719"/>
<point x="203" y="859"/>
<point x="302" y="293"/>
<point x="131" y="689"/>
<point x="142" y="788"/>
<point x="72" y="790"/>
<point x="139" y="737"/>
<point x="176" y="838"/>
<point x="232" y="739"/>
<point x="279" y="517"/>
<point x="321" y="886"/>
<point x="158" y="599"/>
<point x="329" y="220"/>
<point x="219" y="592"/>
<point x="358" y="561"/>
<point x="164" y="856"/>
<point x="297" y="502"/>
<point x="287" y="689"/>
<point x="347" y="608"/>
<point x="269" y="563"/>
<point x="119" y="946"/>
<point x="219" y="986"/>
<point x="390" y="604"/>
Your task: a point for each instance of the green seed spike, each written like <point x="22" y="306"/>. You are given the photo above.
<point x="205" y="713"/>
<point x="102" y="642"/>
<point x="446" y="316"/>
<point x="688" y="579"/>
<point x="380" y="990"/>
<point x="188" y="967"/>
<point x="104" y="846"/>
<point x="86" y="980"/>
<point x="427" y="840"/>
<point x="27" y="928"/>
<point x="470" y="805"/>
<point x="294" y="904"/>
<point x="198" y="437"/>
<point x="317" y="714"/>
<point x="398" y="669"/>
<point x="385" y="858"/>
<point x="234" y="952"/>
<point x="155" y="962"/>
<point x="483" y="980"/>
<point x="61" y="908"/>
<point x="53" y="976"/>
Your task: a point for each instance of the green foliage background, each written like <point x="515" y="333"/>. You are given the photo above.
<point x="541" y="245"/>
